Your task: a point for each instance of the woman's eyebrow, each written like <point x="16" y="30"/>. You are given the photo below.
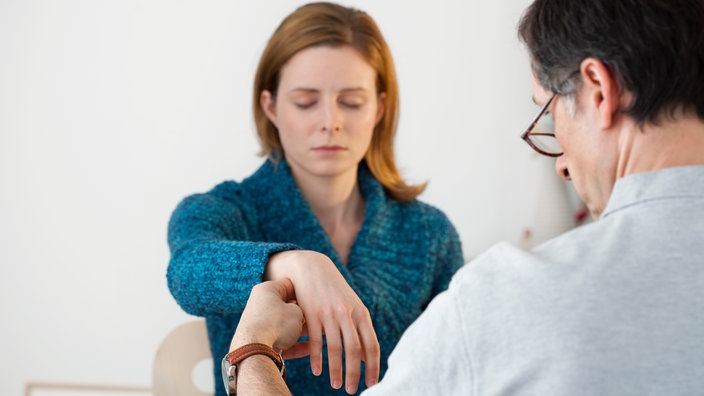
<point x="314" y="90"/>
<point x="304" y="89"/>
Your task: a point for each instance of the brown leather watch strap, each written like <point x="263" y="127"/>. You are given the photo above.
<point x="248" y="350"/>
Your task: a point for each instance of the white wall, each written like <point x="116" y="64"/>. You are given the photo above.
<point x="112" y="111"/>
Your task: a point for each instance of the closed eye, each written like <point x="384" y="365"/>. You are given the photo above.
<point x="305" y="105"/>
<point x="353" y="106"/>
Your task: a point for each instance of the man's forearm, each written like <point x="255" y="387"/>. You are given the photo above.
<point x="258" y="375"/>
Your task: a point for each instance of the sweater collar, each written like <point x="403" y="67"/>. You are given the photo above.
<point x="285" y="215"/>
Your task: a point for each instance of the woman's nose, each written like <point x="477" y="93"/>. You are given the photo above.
<point x="331" y="118"/>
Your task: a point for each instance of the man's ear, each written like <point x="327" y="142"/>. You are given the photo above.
<point x="381" y="107"/>
<point x="268" y="104"/>
<point x="604" y="92"/>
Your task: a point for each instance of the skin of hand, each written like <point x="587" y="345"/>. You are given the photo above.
<point x="333" y="309"/>
<point x="271" y="317"/>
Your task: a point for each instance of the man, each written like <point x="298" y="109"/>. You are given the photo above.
<point x="615" y="307"/>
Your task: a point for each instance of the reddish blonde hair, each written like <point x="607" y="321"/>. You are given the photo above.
<point x="328" y="24"/>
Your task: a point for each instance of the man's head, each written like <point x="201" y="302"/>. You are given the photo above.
<point x="655" y="48"/>
<point x="613" y="66"/>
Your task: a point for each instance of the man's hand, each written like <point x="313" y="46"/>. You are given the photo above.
<point x="271" y="317"/>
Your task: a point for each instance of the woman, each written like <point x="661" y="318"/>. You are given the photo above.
<point x="327" y="209"/>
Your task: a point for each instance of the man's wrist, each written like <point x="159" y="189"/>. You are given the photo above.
<point x="241" y="353"/>
<point x="245" y="336"/>
<point x="234" y="363"/>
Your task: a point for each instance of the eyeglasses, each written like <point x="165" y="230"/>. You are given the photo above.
<point x="540" y="134"/>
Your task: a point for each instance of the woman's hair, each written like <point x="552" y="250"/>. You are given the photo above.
<point x="327" y="24"/>
<point x="654" y="47"/>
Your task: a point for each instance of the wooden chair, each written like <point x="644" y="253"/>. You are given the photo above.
<point x="177" y="357"/>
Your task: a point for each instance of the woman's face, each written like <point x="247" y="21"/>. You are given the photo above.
<point x="325" y="110"/>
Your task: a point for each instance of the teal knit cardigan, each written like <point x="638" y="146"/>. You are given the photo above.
<point x="404" y="255"/>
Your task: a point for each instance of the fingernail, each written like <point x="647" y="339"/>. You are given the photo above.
<point x="336" y="384"/>
<point x="351" y="389"/>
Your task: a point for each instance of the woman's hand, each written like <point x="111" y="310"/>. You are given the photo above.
<point x="333" y="309"/>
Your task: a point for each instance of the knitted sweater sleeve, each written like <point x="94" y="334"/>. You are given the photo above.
<point x="216" y="258"/>
<point x="446" y="248"/>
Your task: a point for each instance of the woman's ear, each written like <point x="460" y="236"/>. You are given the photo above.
<point x="381" y="107"/>
<point x="268" y="104"/>
<point x="604" y="92"/>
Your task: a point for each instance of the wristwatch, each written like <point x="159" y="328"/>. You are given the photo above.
<point x="232" y="359"/>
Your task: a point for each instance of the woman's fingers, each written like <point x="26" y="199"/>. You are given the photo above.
<point x="315" y="345"/>
<point x="351" y="328"/>
<point x="353" y="357"/>
<point x="371" y="353"/>
<point x="346" y="330"/>
<point x="334" y="341"/>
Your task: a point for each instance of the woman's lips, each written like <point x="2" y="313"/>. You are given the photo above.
<point x="328" y="149"/>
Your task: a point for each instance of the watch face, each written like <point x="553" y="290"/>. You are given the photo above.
<point x="229" y="373"/>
